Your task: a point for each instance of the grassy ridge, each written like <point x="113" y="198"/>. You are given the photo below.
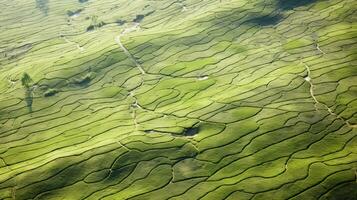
<point x="178" y="99"/>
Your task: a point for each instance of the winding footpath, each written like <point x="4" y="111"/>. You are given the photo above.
<point x="329" y="110"/>
<point x="126" y="51"/>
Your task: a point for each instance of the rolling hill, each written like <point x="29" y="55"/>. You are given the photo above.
<point x="179" y="100"/>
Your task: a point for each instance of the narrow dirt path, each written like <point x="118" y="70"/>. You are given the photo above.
<point x="134" y="105"/>
<point x="308" y="79"/>
<point x="126" y="51"/>
<point x="81" y="49"/>
<point x="318" y="48"/>
<point x="312" y="94"/>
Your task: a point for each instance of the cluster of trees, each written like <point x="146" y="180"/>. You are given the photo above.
<point x="95" y="23"/>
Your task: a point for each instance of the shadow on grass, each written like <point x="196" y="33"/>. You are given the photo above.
<point x="29" y="99"/>
<point x="346" y="191"/>
<point x="291" y="4"/>
<point x="267" y="20"/>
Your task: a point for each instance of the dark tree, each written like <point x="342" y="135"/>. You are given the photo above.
<point x="26" y="82"/>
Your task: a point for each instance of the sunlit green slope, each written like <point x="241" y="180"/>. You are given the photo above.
<point x="186" y="99"/>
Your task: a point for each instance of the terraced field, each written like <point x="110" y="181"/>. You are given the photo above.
<point x="179" y="100"/>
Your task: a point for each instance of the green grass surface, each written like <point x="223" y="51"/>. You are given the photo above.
<point x="231" y="99"/>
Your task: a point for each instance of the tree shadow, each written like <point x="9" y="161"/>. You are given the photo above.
<point x="267" y="20"/>
<point x="191" y="131"/>
<point x="291" y="4"/>
<point x="345" y="191"/>
<point x="29" y="99"/>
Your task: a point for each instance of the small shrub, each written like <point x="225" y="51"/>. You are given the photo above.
<point x="138" y="18"/>
<point x="72" y="13"/>
<point x="120" y="22"/>
<point x="50" y="92"/>
<point x="85" y="79"/>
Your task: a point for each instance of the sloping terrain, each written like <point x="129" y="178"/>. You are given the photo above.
<point x="185" y="99"/>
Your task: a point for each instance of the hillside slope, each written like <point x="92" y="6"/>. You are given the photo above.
<point x="185" y="99"/>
